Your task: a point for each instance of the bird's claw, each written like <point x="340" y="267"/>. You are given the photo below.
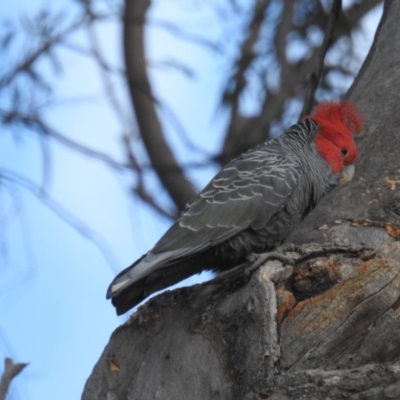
<point x="259" y="259"/>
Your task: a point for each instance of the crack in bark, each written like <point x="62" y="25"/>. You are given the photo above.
<point x="347" y="318"/>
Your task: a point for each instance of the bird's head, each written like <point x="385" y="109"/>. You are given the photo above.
<point x="334" y="141"/>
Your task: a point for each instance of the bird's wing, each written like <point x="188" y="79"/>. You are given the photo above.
<point x="246" y="193"/>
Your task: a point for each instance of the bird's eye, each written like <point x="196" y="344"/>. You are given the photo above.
<point x="344" y="151"/>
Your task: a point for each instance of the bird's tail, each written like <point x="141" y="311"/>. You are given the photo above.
<point x="135" y="291"/>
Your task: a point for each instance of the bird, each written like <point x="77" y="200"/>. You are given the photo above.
<point x="251" y="206"/>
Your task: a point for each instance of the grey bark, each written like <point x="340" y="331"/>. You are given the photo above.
<point x="325" y="327"/>
<point x="265" y="336"/>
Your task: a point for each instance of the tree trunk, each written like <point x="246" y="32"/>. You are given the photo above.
<point x="325" y="327"/>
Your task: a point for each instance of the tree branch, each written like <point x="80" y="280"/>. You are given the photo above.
<point x="285" y="26"/>
<point x="234" y="142"/>
<point x="61" y="212"/>
<point x="34" y="123"/>
<point x="173" y="179"/>
<point x="26" y="65"/>
<point x="315" y="76"/>
<point x="173" y="29"/>
<point x="349" y="19"/>
<point x="247" y="55"/>
<point x="11" y="370"/>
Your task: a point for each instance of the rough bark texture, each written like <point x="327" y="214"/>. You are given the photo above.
<point x="325" y="327"/>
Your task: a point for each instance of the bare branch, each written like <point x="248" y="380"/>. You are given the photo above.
<point x="176" y="31"/>
<point x="359" y="9"/>
<point x="173" y="118"/>
<point x="247" y="55"/>
<point x="105" y="69"/>
<point x="285" y="26"/>
<point x="145" y="196"/>
<point x="27" y="64"/>
<point x="315" y="75"/>
<point x="349" y="19"/>
<point x="231" y="146"/>
<point x="35" y="124"/>
<point x="174" y="180"/>
<point x="11" y="370"/>
<point x="140" y="189"/>
<point x="60" y="211"/>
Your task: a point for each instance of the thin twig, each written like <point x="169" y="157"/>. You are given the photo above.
<point x="105" y="71"/>
<point x="179" y="33"/>
<point x="30" y="59"/>
<point x="315" y="75"/>
<point x="145" y="196"/>
<point x="173" y="118"/>
<point x="11" y="370"/>
<point x="65" y="215"/>
<point x="236" y="84"/>
<point x="247" y="55"/>
<point x="37" y="125"/>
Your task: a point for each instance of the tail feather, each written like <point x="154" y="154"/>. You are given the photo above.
<point x="123" y="275"/>
<point x="129" y="297"/>
<point x="137" y="291"/>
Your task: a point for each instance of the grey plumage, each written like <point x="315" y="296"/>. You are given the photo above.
<point x="251" y="205"/>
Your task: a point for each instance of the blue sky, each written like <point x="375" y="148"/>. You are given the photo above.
<point x="53" y="280"/>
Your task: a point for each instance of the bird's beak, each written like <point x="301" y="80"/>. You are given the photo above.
<point x="347" y="174"/>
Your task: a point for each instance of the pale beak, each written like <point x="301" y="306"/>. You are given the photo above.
<point x="347" y="174"/>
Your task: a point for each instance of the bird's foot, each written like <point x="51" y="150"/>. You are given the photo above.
<point x="256" y="261"/>
<point x="259" y="259"/>
<point x="291" y="248"/>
